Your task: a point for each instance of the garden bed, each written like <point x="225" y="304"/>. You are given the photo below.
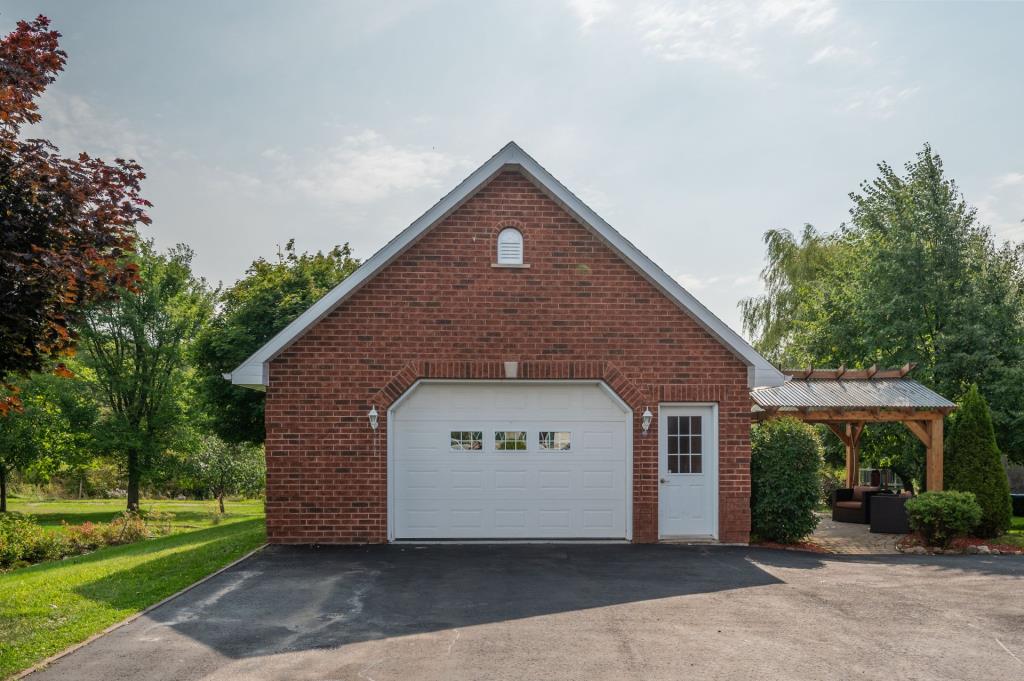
<point x="913" y="543"/>
<point x="807" y="546"/>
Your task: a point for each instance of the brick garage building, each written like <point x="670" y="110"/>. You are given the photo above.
<point x="529" y="373"/>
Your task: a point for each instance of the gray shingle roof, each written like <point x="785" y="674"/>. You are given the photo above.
<point x="884" y="393"/>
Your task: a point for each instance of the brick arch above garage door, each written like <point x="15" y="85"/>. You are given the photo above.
<point x="629" y="392"/>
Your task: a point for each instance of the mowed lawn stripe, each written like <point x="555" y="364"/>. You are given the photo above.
<point x="48" y="607"/>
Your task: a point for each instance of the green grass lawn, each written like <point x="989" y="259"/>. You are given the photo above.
<point x="188" y="515"/>
<point x="48" y="607"/>
<point x="1015" y="537"/>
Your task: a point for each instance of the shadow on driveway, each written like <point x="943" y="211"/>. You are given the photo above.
<point x="302" y="598"/>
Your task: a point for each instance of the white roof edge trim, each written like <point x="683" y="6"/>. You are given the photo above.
<point x="760" y="374"/>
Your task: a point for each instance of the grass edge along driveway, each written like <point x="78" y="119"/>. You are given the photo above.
<point x="48" y="607"/>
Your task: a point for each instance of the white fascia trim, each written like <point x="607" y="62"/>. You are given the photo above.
<point x="761" y="373"/>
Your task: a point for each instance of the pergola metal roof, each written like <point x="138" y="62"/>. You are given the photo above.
<point x="886" y="393"/>
<point x="845" y="400"/>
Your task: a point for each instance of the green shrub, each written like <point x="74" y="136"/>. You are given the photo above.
<point x="830" y="479"/>
<point x="23" y="541"/>
<point x="940" y="517"/>
<point x="85" y="537"/>
<point x="129" y="528"/>
<point x="786" y="457"/>
<point x="17" y="537"/>
<point x="973" y="464"/>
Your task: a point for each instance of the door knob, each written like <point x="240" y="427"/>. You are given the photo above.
<point x="663" y="481"/>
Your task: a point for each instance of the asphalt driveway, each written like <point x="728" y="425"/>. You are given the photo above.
<point x="576" y="612"/>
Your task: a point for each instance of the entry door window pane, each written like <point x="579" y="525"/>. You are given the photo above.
<point x="509" y="440"/>
<point x="685" y="444"/>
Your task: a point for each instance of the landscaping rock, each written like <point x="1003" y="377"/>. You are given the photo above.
<point x="972" y="549"/>
<point x="996" y="552"/>
<point x="917" y="550"/>
<point x="984" y="550"/>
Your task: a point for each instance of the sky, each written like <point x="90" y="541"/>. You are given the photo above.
<point x="691" y="127"/>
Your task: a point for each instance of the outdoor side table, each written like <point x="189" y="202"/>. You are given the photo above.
<point x="889" y="514"/>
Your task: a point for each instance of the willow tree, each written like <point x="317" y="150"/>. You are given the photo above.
<point x="912" y="277"/>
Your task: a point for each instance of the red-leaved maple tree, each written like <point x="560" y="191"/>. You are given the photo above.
<point x="66" y="224"/>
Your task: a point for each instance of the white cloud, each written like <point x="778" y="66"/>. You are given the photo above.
<point x="364" y="168"/>
<point x="838" y="53"/>
<point x="745" y="280"/>
<point x="1002" y="207"/>
<point x="694" y="283"/>
<point x="590" y="12"/>
<point x="1009" y="180"/>
<point x="730" y="32"/>
<point x="74" y="125"/>
<point x="880" y="103"/>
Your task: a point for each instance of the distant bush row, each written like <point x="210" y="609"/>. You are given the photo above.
<point x="24" y="542"/>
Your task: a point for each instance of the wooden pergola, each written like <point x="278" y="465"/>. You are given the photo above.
<point x="846" y="400"/>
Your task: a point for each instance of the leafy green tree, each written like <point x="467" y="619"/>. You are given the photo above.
<point x="973" y="464"/>
<point x="268" y="298"/>
<point x="224" y="468"/>
<point x="913" y="277"/>
<point x="49" y="430"/>
<point x="137" y="350"/>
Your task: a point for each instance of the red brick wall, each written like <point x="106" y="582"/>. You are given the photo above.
<point x="442" y="308"/>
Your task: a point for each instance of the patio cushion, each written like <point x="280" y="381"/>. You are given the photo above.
<point x="849" y="504"/>
<point x="858" y="492"/>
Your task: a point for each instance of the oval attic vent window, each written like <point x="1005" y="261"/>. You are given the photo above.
<point x="510" y="247"/>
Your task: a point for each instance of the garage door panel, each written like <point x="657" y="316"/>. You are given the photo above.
<point x="488" y="493"/>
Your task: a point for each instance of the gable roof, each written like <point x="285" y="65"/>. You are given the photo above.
<point x="253" y="373"/>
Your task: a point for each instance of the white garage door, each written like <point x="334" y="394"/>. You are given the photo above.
<point x="509" y="461"/>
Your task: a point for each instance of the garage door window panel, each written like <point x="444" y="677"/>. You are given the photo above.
<point x="467" y="440"/>
<point x="510" y="440"/>
<point x="556" y="440"/>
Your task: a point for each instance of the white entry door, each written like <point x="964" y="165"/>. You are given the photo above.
<point x="523" y="460"/>
<point x="688" y="471"/>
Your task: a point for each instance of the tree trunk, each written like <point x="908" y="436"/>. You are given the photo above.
<point x="3" y="490"/>
<point x="133" y="480"/>
<point x="220" y="500"/>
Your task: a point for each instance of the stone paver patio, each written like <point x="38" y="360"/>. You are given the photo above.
<point x="852" y="538"/>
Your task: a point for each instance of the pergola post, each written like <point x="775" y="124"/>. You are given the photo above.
<point x="851" y="457"/>
<point x="933" y="456"/>
<point x="851" y="440"/>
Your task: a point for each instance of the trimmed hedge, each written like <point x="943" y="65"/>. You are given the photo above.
<point x="973" y="464"/>
<point x="940" y="517"/>
<point x="786" y="457"/>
